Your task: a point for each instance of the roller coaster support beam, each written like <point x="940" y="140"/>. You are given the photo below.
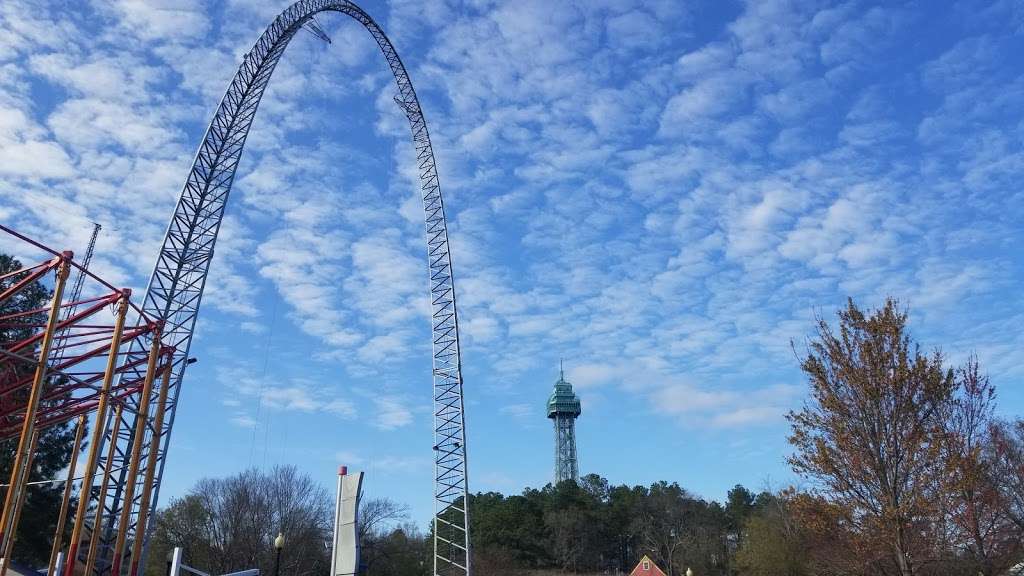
<point x="97" y="525"/>
<point x="21" y="502"/>
<point x="98" y="429"/>
<point x="141" y="528"/>
<point x="140" y="433"/>
<point x="22" y="458"/>
<point x="58" y="535"/>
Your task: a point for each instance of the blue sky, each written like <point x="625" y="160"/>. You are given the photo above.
<point x="663" y="193"/>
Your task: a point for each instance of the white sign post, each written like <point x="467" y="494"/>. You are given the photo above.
<point x="345" y="557"/>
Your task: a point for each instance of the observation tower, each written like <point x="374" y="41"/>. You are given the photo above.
<point x="563" y="409"/>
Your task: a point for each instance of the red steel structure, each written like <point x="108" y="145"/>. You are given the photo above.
<point x="63" y="361"/>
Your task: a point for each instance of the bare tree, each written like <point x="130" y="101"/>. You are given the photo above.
<point x="377" y="518"/>
<point x="230" y="524"/>
<point x="377" y="515"/>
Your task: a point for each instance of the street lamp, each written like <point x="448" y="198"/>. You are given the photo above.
<point x="279" y="545"/>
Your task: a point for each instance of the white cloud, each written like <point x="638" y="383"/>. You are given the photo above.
<point x="162" y="19"/>
<point x="635" y="29"/>
<point x="390" y="412"/>
<point x="348" y="458"/>
<point x="709" y="98"/>
<point x="521" y="411"/>
<point x="35" y="160"/>
<point x="748" y="416"/>
<point x="243" y="421"/>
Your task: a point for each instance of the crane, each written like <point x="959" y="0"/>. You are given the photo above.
<point x="76" y="295"/>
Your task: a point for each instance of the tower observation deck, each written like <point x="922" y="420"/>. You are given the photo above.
<point x="563" y="409"/>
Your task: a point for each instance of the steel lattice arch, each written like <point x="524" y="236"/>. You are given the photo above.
<point x="176" y="286"/>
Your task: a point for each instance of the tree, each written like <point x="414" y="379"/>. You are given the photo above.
<point x="572" y="520"/>
<point x="401" y="551"/>
<point x="1008" y="467"/>
<point x="681" y="531"/>
<point x="663" y="521"/>
<point x="378" y="515"/>
<point x="377" y="532"/>
<point x="773" y="542"/>
<point x="513" y="525"/>
<point x="981" y="523"/>
<point x="229" y="524"/>
<point x="53" y="450"/>
<point x="871" y="431"/>
<point x="739" y="504"/>
<point x="623" y="504"/>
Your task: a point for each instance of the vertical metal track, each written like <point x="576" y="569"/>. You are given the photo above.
<point x="176" y="286"/>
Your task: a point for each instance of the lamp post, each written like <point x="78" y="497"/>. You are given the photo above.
<point x="278" y="545"/>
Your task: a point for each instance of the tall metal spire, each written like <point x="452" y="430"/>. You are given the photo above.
<point x="563" y="409"/>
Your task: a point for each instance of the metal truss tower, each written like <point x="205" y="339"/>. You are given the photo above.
<point x="563" y="409"/>
<point x="76" y="290"/>
<point x="176" y="286"/>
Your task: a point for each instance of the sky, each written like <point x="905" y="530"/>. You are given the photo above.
<point x="664" y="194"/>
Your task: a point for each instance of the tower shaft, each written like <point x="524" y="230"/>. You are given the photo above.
<point x="563" y="409"/>
<point x="566" y="466"/>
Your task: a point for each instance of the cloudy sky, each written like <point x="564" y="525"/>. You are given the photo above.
<point x="663" y="193"/>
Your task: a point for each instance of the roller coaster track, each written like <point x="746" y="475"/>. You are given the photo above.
<point x="176" y="285"/>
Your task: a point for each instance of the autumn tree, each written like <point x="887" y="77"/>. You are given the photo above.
<point x="1008" y="467"/>
<point x="979" y="512"/>
<point x="871" y="431"/>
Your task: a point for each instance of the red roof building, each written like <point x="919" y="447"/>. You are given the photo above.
<point x="646" y="567"/>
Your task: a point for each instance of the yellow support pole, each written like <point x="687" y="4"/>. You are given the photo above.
<point x="19" y="472"/>
<point x="58" y="536"/>
<point x="97" y="435"/>
<point x="133" y="467"/>
<point x="97" y="525"/>
<point x="147" y="486"/>
<point x="21" y="502"/>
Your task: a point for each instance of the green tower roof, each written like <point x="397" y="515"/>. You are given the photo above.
<point x="563" y="400"/>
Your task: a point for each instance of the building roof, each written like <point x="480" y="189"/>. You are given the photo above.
<point x="650" y="570"/>
<point x="563" y="400"/>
